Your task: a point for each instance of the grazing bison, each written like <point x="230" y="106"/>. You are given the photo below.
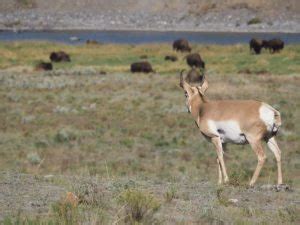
<point x="143" y="57"/>
<point x="171" y="58"/>
<point x="91" y="42"/>
<point x="256" y="45"/>
<point x="44" y="66"/>
<point x="59" y="57"/>
<point x="141" y="67"/>
<point x="196" y="78"/>
<point x="195" y="60"/>
<point x="181" y="45"/>
<point x="274" y="45"/>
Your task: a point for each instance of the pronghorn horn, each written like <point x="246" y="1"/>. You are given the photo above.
<point x="200" y="91"/>
<point x="181" y="78"/>
<point x="203" y="78"/>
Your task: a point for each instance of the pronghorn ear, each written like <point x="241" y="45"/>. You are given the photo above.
<point x="186" y="86"/>
<point x="189" y="89"/>
<point x="200" y="90"/>
<point x="181" y="82"/>
<point x="204" y="86"/>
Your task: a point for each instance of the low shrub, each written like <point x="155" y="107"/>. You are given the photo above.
<point x="139" y="206"/>
<point x="254" y="20"/>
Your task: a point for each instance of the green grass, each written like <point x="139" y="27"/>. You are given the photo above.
<point x="117" y="58"/>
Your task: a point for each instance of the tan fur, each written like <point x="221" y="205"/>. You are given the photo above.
<point x="246" y="113"/>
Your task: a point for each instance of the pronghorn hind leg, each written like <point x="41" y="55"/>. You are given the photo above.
<point x="219" y="172"/>
<point x="218" y="145"/>
<point x="261" y="157"/>
<point x="272" y="145"/>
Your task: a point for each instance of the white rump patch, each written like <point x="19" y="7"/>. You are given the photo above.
<point x="267" y="115"/>
<point x="228" y="131"/>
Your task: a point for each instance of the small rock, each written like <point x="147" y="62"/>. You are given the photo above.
<point x="233" y="200"/>
<point x="267" y="187"/>
<point x="49" y="176"/>
<point x="93" y="106"/>
<point x="74" y="38"/>
<point x="61" y="109"/>
<point x="27" y="119"/>
<point x="74" y="111"/>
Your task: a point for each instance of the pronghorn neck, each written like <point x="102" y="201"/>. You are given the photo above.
<point x="196" y="103"/>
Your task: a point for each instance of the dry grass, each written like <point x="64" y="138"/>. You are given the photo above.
<point x="122" y="127"/>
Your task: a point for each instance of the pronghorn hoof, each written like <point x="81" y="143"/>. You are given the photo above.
<point x="278" y="187"/>
<point x="251" y="185"/>
<point x="282" y="187"/>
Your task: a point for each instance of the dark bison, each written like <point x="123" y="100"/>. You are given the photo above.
<point x="171" y="58"/>
<point x="44" y="66"/>
<point x="91" y="42"/>
<point x="141" y="67"/>
<point x="195" y="60"/>
<point x="256" y="45"/>
<point x="181" y="45"/>
<point x="59" y="57"/>
<point x="196" y="77"/>
<point x="274" y="45"/>
<point x="143" y="57"/>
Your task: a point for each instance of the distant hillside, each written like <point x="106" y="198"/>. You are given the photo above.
<point x="196" y="7"/>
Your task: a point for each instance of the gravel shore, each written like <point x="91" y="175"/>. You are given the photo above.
<point x="229" y="21"/>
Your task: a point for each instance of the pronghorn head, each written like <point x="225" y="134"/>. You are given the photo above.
<point x="190" y="91"/>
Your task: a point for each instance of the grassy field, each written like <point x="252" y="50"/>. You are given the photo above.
<point x="124" y="143"/>
<point x="117" y="58"/>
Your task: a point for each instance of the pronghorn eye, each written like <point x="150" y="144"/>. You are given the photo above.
<point x="186" y="94"/>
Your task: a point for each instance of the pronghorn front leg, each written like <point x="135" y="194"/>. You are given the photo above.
<point x="218" y="145"/>
<point x="261" y="157"/>
<point x="272" y="144"/>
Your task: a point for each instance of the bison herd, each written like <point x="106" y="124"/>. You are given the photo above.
<point x="56" y="57"/>
<point x="273" y="45"/>
<point x="193" y="60"/>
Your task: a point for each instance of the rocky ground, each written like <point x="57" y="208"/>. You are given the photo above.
<point x="26" y="194"/>
<point x="23" y="194"/>
<point x="189" y="17"/>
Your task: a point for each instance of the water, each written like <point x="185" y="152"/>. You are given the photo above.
<point x="140" y="37"/>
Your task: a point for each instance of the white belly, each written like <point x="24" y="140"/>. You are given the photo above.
<point x="229" y="131"/>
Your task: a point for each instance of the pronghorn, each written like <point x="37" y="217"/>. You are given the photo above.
<point x="234" y="121"/>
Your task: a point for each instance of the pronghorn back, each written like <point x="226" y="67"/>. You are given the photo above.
<point x="232" y="120"/>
